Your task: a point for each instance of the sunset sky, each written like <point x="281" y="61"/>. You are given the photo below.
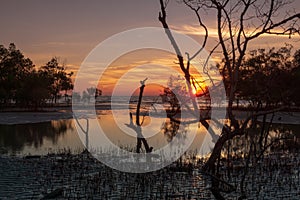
<point x="70" y="29"/>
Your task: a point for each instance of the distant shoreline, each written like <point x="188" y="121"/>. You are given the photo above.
<point x="23" y="116"/>
<point x="11" y="118"/>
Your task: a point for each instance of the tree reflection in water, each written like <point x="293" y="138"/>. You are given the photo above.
<point x="172" y="129"/>
<point x="265" y="139"/>
<point x="13" y="138"/>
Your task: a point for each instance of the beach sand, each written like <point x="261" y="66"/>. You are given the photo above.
<point x="10" y="118"/>
<point x="32" y="117"/>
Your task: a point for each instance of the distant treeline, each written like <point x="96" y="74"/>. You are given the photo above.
<point x="22" y="84"/>
<point x="270" y="78"/>
<point x="267" y="78"/>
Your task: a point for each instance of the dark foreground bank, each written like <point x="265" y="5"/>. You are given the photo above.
<point x="66" y="176"/>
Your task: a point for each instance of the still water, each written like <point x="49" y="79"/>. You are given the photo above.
<point x="39" y="138"/>
<point x="65" y="135"/>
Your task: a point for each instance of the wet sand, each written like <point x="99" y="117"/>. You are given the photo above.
<point x="32" y="117"/>
<point x="10" y="118"/>
<point x="82" y="177"/>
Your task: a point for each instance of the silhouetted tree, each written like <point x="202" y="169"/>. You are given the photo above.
<point x="14" y="67"/>
<point x="85" y="96"/>
<point x="265" y="78"/>
<point x="59" y="78"/>
<point x="91" y="92"/>
<point x="238" y="23"/>
<point x="137" y="127"/>
<point x="76" y="96"/>
<point x="296" y="78"/>
<point x="34" y="90"/>
<point x="24" y="85"/>
<point x="176" y="87"/>
<point x="98" y="93"/>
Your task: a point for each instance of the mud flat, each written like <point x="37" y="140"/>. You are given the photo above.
<point x="66" y="176"/>
<point x="79" y="176"/>
<point x="32" y="117"/>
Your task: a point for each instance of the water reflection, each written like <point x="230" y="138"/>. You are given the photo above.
<point x="261" y="139"/>
<point x="172" y="129"/>
<point x="40" y="138"/>
<point x="291" y="133"/>
<point x="15" y="139"/>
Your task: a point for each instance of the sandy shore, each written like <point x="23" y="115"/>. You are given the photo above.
<point x="11" y="118"/>
<point x="32" y="117"/>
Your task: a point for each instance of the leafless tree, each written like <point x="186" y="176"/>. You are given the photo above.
<point x="238" y="23"/>
<point x="138" y="127"/>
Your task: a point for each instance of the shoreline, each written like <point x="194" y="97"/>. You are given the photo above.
<point x="12" y="118"/>
<point x="29" y="117"/>
<point x="81" y="176"/>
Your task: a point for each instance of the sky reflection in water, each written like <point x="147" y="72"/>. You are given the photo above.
<point x="60" y="135"/>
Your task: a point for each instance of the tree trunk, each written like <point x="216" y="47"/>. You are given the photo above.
<point x="209" y="166"/>
<point x="139" y="105"/>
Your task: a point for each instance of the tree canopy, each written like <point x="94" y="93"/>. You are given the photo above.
<point x="268" y="78"/>
<point x="23" y="84"/>
<point x="265" y="77"/>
